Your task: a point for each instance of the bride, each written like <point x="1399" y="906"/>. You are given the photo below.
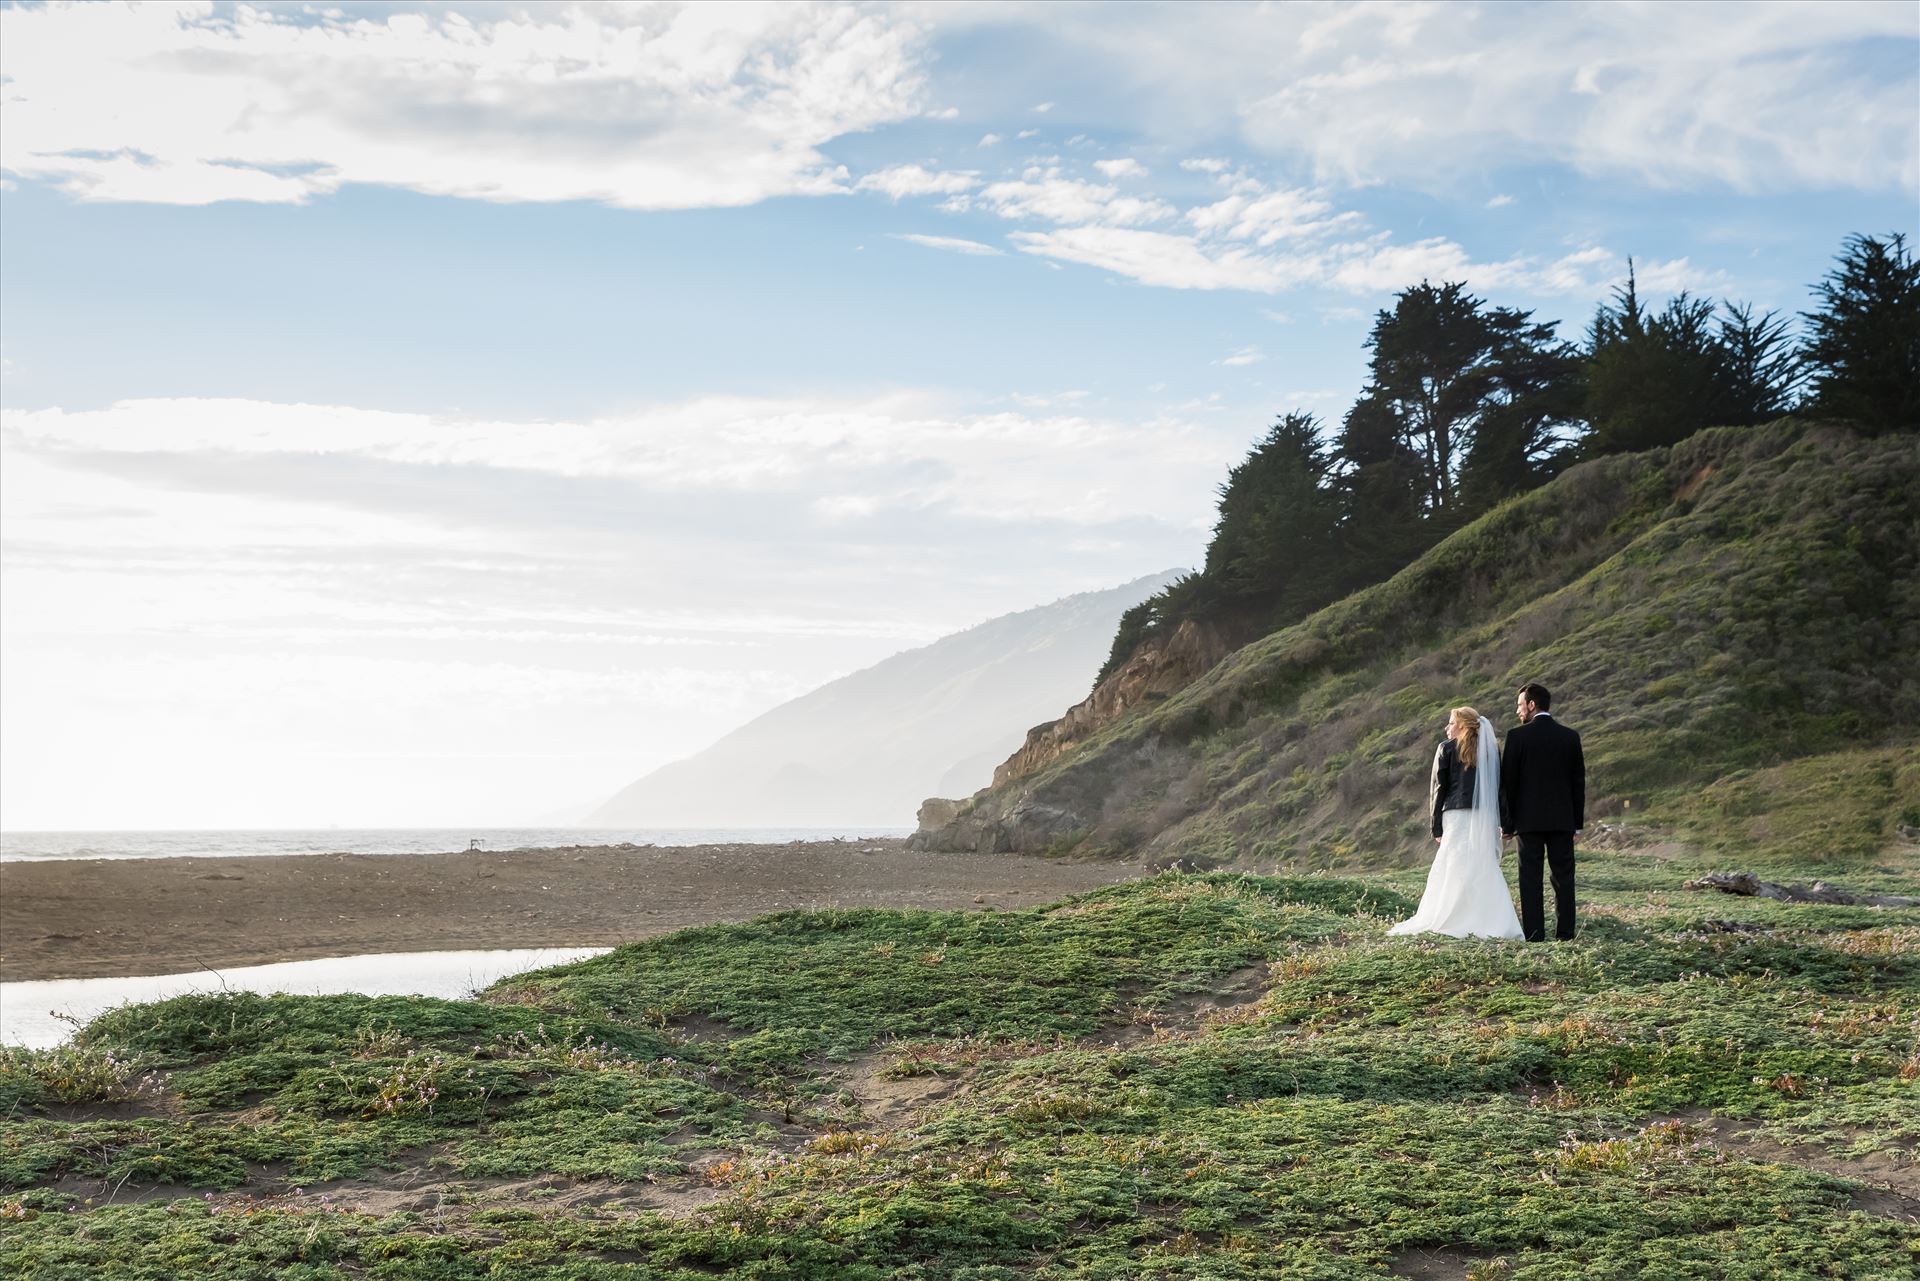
<point x="1466" y="891"/>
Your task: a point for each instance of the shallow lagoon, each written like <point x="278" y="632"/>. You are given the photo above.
<point x="46" y="1012"/>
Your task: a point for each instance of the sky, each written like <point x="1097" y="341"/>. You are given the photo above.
<point x="421" y="415"/>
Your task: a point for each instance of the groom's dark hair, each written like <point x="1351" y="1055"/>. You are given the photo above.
<point x="1537" y="695"/>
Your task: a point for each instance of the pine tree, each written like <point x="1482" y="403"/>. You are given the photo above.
<point x="1428" y="373"/>
<point x="1863" y="346"/>
<point x="1762" y="372"/>
<point x="1274" y="536"/>
<point x="1382" y="490"/>
<point x="1529" y="427"/>
<point x="1653" y="378"/>
<point x="1485" y="402"/>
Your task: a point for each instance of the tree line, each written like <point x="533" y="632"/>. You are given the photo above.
<point x="1466" y="405"/>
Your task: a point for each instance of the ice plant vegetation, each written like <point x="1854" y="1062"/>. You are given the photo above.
<point x="1215" y="1075"/>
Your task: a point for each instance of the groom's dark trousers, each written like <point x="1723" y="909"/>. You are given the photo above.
<point x="1543" y="799"/>
<point x="1557" y="849"/>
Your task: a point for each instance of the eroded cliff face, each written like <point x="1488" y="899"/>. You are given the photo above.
<point x="1020" y="821"/>
<point x="1159" y="667"/>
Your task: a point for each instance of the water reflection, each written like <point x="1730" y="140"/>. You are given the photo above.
<point x="30" y="1012"/>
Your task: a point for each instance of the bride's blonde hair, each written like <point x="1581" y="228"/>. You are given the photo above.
<point x="1469" y="741"/>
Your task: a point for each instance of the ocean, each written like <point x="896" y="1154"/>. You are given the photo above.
<point x="22" y="847"/>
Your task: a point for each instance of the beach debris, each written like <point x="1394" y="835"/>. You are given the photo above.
<point x="1748" y="885"/>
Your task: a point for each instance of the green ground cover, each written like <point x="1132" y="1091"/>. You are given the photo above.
<point x="1197" y="1076"/>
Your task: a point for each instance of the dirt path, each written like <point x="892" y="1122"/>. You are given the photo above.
<point x="89" y="919"/>
<point x="1888" y="1187"/>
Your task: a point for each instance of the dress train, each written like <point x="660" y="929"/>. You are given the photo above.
<point x="1466" y="894"/>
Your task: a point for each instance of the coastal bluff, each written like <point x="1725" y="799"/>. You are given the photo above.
<point x="1733" y="623"/>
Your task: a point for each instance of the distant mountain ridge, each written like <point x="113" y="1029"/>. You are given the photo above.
<point x="865" y="749"/>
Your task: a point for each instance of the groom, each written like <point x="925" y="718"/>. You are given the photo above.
<point x="1543" y="798"/>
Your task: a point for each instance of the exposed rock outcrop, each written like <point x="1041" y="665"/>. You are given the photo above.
<point x="1158" y="667"/>
<point x="937" y="812"/>
<point x="1028" y="826"/>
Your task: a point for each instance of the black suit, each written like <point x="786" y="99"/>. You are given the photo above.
<point x="1543" y="799"/>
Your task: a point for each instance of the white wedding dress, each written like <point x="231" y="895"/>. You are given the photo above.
<point x="1466" y="892"/>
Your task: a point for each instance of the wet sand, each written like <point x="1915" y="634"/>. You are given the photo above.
<point x="87" y="918"/>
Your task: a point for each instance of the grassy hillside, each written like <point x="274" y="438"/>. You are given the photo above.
<point x="1213" y="1076"/>
<point x="1733" y="624"/>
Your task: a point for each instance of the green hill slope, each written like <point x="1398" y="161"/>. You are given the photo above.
<point x="1733" y="624"/>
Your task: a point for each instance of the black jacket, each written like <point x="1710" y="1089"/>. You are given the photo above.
<point x="1543" y="778"/>
<point x="1451" y="785"/>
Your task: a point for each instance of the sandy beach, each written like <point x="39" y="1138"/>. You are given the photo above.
<point x="102" y="918"/>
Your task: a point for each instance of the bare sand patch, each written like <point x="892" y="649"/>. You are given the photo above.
<point x="88" y="918"/>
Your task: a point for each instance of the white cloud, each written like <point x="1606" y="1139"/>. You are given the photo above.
<point x="683" y="105"/>
<point x="1267" y="240"/>
<point x="1754" y="97"/>
<point x="1055" y="400"/>
<point x="1500" y="201"/>
<point x="1242" y="356"/>
<point x="1162" y="258"/>
<point x="1027" y="133"/>
<point x="1270" y="216"/>
<point x="917" y="452"/>
<point x="1045" y="193"/>
<point x="988" y="140"/>
<point x="1127" y="167"/>
<point x="669" y="106"/>
<point x="1370" y="265"/>
<point x="953" y="244"/>
<point x="912" y="180"/>
<point x="245" y="613"/>
<point x="1381" y="266"/>
<point x="1667" y="276"/>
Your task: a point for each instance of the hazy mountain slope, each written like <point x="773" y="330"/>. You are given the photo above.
<point x="867" y="748"/>
<point x="1732" y="623"/>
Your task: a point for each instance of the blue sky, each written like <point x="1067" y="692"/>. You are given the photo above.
<point x="584" y="380"/>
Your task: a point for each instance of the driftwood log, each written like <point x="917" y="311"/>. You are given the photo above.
<point x="1751" y="886"/>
